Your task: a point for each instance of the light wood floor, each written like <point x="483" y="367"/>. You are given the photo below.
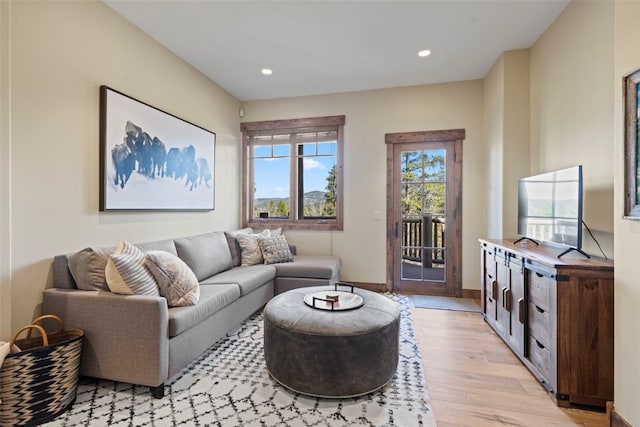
<point x="473" y="378"/>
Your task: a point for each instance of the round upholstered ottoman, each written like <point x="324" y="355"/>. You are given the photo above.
<point x="331" y="353"/>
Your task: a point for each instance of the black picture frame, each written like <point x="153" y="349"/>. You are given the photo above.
<point x="152" y="160"/>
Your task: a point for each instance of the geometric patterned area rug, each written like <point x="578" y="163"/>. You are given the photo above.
<point x="445" y="303"/>
<point x="229" y="386"/>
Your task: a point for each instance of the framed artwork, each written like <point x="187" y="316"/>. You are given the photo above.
<point x="631" y="151"/>
<point x="152" y="160"/>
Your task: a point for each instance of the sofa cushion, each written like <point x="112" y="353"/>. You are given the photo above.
<point x="126" y="273"/>
<point x="212" y="299"/>
<point x="311" y="266"/>
<point x="166" y="245"/>
<point x="206" y="254"/>
<point x="234" y="247"/>
<point x="87" y="268"/>
<point x="175" y="279"/>
<point x="247" y="278"/>
<point x="250" y="252"/>
<point x="275" y="250"/>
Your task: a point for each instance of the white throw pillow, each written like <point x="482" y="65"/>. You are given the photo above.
<point x="126" y="273"/>
<point x="177" y="282"/>
<point x="250" y="253"/>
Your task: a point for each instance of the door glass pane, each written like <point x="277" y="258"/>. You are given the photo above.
<point x="423" y="211"/>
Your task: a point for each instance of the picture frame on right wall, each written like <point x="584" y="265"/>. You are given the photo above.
<point x="631" y="150"/>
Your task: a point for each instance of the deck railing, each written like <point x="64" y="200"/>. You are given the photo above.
<point x="423" y="240"/>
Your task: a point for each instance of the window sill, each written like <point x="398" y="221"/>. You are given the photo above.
<point x="313" y="225"/>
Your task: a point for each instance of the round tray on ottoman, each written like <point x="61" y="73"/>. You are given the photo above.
<point x="329" y="353"/>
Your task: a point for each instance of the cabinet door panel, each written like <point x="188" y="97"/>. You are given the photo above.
<point x="518" y="310"/>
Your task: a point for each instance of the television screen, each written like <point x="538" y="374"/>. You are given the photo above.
<point x="550" y="207"/>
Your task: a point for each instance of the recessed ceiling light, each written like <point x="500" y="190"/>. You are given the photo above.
<point x="267" y="71"/>
<point x="424" y="53"/>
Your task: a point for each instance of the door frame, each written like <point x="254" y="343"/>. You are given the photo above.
<point x="456" y="136"/>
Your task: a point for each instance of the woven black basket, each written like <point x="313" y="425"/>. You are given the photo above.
<point x="39" y="382"/>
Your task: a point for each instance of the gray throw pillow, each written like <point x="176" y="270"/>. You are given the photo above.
<point x="87" y="268"/>
<point x="275" y="250"/>
<point x="176" y="281"/>
<point x="234" y="247"/>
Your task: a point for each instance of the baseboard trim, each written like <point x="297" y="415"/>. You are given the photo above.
<point x="618" y="421"/>
<point x="382" y="287"/>
<point x="471" y="293"/>
<point x="374" y="287"/>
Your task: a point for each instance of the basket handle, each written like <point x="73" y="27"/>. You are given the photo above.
<point x="45" y="340"/>
<point x="46" y="316"/>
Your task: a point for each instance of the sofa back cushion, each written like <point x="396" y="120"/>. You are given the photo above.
<point x="166" y="245"/>
<point x="205" y="254"/>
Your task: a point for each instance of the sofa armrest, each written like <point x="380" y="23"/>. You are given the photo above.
<point x="126" y="336"/>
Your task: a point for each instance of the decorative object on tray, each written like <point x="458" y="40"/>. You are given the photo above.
<point x="334" y="300"/>
<point x="39" y="382"/>
<point x="152" y="160"/>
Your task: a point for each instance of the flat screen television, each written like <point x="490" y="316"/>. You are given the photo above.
<point x="550" y="208"/>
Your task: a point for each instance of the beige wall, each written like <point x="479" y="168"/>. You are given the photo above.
<point x="571" y="108"/>
<point x="369" y="115"/>
<point x="61" y="52"/>
<point x="627" y="242"/>
<point x="506" y="133"/>
<point x="493" y="132"/>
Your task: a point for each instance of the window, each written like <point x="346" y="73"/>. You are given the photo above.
<point x="293" y="173"/>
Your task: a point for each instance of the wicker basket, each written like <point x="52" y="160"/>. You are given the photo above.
<point x="39" y="382"/>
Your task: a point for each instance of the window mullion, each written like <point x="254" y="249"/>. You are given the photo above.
<point x="294" y="215"/>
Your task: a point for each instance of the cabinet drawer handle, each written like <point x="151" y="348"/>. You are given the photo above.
<point x="539" y="310"/>
<point x="494" y="289"/>
<point x="538" y="344"/>
<point x="521" y="307"/>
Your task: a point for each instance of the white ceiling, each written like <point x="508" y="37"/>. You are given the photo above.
<point x="319" y="47"/>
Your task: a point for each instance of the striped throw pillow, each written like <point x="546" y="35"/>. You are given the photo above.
<point x="126" y="273"/>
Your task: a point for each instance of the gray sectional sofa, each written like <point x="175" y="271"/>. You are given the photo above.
<point x="139" y="339"/>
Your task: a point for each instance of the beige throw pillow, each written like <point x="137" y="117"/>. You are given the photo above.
<point x="177" y="283"/>
<point x="250" y="252"/>
<point x="126" y="273"/>
<point x="275" y="250"/>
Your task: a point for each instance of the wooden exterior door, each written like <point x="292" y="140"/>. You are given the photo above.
<point x="424" y="212"/>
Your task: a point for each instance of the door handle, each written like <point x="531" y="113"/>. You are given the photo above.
<point x="395" y="230"/>
<point x="507" y="300"/>
<point x="521" y="310"/>
<point x="494" y="289"/>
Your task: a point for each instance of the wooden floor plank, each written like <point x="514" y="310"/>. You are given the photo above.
<point x="474" y="379"/>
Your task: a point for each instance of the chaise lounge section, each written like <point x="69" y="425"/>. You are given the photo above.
<point x="140" y="339"/>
